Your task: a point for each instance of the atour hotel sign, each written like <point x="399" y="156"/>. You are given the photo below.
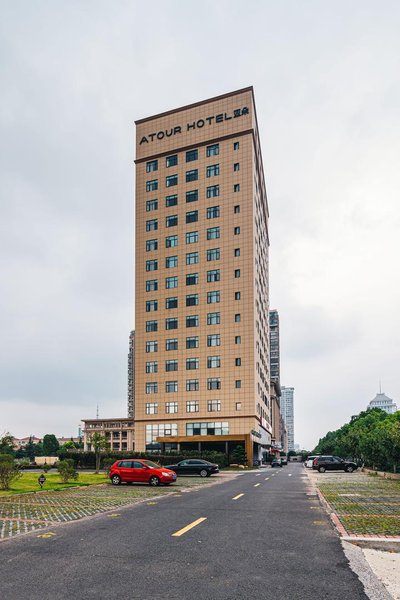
<point x="220" y="118"/>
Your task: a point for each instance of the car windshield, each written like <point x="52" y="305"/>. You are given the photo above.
<point x="151" y="464"/>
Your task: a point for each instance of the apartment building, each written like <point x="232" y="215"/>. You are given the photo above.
<point x="202" y="376"/>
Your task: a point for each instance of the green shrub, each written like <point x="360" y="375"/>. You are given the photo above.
<point x="67" y="471"/>
<point x="9" y="471"/>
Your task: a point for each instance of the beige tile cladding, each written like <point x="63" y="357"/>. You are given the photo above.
<point x="243" y="129"/>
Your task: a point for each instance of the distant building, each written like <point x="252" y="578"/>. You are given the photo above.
<point x="384" y="403"/>
<point x="287" y="411"/>
<point x="118" y="432"/>
<point x="22" y="442"/>
<point x="131" y="376"/>
<point x="274" y="354"/>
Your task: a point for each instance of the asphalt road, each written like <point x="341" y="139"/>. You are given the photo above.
<point x="273" y="542"/>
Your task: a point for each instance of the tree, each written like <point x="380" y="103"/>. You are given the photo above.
<point x="67" y="471"/>
<point x="99" y="444"/>
<point x="239" y="456"/>
<point x="7" y="444"/>
<point x="50" y="445"/>
<point x="9" y="471"/>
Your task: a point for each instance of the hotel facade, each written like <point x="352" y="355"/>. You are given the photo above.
<point x="202" y="377"/>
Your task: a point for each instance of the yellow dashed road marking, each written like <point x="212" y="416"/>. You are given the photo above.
<point x="188" y="527"/>
<point x="237" y="497"/>
<point x="46" y="535"/>
<point x="114" y="515"/>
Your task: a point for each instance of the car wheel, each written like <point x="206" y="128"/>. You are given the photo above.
<point x="321" y="469"/>
<point x="203" y="473"/>
<point x="349" y="469"/>
<point x="115" y="479"/>
<point x="154" y="481"/>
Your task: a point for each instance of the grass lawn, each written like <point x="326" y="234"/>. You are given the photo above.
<point x="29" y="482"/>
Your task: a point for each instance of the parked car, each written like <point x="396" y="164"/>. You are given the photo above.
<point x="284" y="460"/>
<point x="276" y="463"/>
<point x="309" y="462"/>
<point x="140" y="471"/>
<point x="333" y="463"/>
<point x="194" y="466"/>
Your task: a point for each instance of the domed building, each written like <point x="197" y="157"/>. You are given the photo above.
<point x="383" y="402"/>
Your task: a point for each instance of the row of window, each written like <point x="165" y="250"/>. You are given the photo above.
<point x="191" y="196"/>
<point x="192" y="258"/>
<point x="191" y="320"/>
<point x="191" y="217"/>
<point x="191" y="155"/>
<point x="192" y="385"/>
<point x="191" y="406"/>
<point x="191" y="237"/>
<point x="172" y="180"/>
<point x="212" y="212"/>
<point x="193" y="363"/>
<point x="155" y="430"/>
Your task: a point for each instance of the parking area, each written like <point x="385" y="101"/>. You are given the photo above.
<point x="22" y="513"/>
<point x="364" y="505"/>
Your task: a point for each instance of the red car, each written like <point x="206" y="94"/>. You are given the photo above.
<point x="140" y="471"/>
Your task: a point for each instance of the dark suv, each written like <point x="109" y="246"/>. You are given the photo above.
<point x="333" y="463"/>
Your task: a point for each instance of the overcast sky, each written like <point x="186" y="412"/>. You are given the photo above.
<point x="76" y="74"/>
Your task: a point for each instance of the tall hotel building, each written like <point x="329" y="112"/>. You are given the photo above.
<point x="201" y="328"/>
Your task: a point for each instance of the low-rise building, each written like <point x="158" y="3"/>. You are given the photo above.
<point x="384" y="403"/>
<point x="118" y="432"/>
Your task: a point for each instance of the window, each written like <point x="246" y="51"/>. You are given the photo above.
<point x="213" y="297"/>
<point x="151" y="245"/>
<point x="192" y="217"/>
<point x="152" y="186"/>
<point x="213" y="318"/>
<point x="192" y="175"/>
<point x="192" y="385"/>
<point x="192" y="155"/>
<point x="238" y="339"/>
<point x="171" y="323"/>
<point x="171" y="161"/>
<point x="213" y="191"/>
<point x="237" y="295"/>
<point x="152" y="367"/>
<point x="212" y="150"/>
<point x="152" y="346"/>
<point x="212" y="212"/>
<point x="171" y="221"/>
<point x="236" y="252"/>
<point x="237" y="318"/>
<point x="152" y="387"/>
<point x="171" y="407"/>
<point x="218" y="428"/>
<point x="236" y="230"/>
<point x="238" y="384"/>
<point x="171" y="303"/>
<point x="151" y="205"/>
<point x="238" y="362"/>
<point x="171" y="387"/>
<point x="236" y="167"/>
<point x="192" y="258"/>
<point x="171" y="261"/>
<point x="214" y="383"/>
<point x="192" y="363"/>
<point x="152" y="165"/>
<point x="237" y="273"/>
<point x="192" y="406"/>
<point x="213" y="362"/>
<point x="171" y="365"/>
<point x="238" y="406"/>
<point x="236" y="145"/>
<point x="212" y="170"/>
<point x="192" y="279"/>
<point x="151" y="305"/>
<point x="213" y="275"/>
<point x="151" y="285"/>
<point x="192" y="342"/>
<point x="151" y="265"/>
<point x="152" y="225"/>
<point x="214" y="340"/>
<point x="192" y="196"/>
<point x="171" y="180"/>
<point x="236" y="209"/>
<point x="171" y="282"/>
<point x="192" y="300"/>
<point x="214" y="405"/>
<point x="236" y="187"/>
<point x="171" y="200"/>
<point x="151" y="326"/>
<point x="171" y="241"/>
<point x="192" y="321"/>
<point x="213" y="233"/>
<point x="154" y="431"/>
<point x="151" y="408"/>
<point x="192" y="237"/>
<point x="171" y="344"/>
<point x="213" y="254"/>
